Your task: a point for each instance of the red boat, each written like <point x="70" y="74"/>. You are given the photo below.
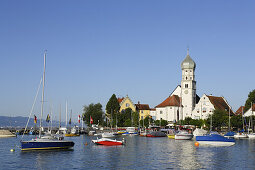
<point x="108" y="142"/>
<point x="156" y="134"/>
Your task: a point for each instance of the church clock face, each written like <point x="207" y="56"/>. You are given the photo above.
<point x="186" y="91"/>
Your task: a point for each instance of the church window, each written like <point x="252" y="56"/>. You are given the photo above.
<point x="186" y="78"/>
<point x="190" y="78"/>
<point x="204" y="109"/>
<point x="186" y="85"/>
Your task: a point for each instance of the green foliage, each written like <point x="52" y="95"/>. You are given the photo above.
<point x="251" y="99"/>
<point x="236" y="121"/>
<point x="219" y="119"/>
<point x="161" y="122"/>
<point x="145" y="122"/>
<point x="95" y="111"/>
<point x="112" y="105"/>
<point x="126" y="118"/>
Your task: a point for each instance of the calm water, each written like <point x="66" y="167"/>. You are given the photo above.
<point x="138" y="153"/>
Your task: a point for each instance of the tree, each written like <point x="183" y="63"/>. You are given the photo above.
<point x="161" y="122"/>
<point x="236" y="121"/>
<point x="251" y="99"/>
<point x="112" y="105"/>
<point x="95" y="111"/>
<point x="219" y="119"/>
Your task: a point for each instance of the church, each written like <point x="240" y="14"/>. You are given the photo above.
<point x="184" y="102"/>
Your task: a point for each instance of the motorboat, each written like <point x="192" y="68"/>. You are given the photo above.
<point x="108" y="142"/>
<point x="230" y="134"/>
<point x="199" y="132"/>
<point x="183" y="135"/>
<point x="130" y="131"/>
<point x="108" y="135"/>
<point x="215" y="140"/>
<point x="240" y="135"/>
<point x="156" y="134"/>
<point x="171" y="134"/>
<point x="251" y="135"/>
<point x="6" y="134"/>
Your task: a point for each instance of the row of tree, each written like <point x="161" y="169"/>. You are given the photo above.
<point x="128" y="117"/>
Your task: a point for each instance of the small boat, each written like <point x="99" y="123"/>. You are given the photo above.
<point x="6" y="134"/>
<point x="171" y="133"/>
<point x="230" y="134"/>
<point x="72" y="134"/>
<point x="215" y="140"/>
<point x="199" y="132"/>
<point x="108" y="135"/>
<point x="130" y="131"/>
<point x="251" y="135"/>
<point x="108" y="142"/>
<point x="183" y="135"/>
<point x="240" y="135"/>
<point x="156" y="134"/>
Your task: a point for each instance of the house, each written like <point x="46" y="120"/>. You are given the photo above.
<point x="250" y="112"/>
<point x="207" y="104"/>
<point x="143" y="110"/>
<point x="153" y="113"/>
<point x="125" y="103"/>
<point x="240" y="111"/>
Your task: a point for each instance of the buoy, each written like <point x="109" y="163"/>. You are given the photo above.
<point x="196" y="144"/>
<point x="86" y="143"/>
<point x="12" y="150"/>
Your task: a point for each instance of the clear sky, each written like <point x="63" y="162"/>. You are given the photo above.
<point x="128" y="47"/>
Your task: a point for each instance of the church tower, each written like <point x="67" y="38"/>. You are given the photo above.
<point x="188" y="86"/>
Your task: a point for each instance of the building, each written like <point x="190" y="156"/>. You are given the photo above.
<point x="240" y="111"/>
<point x="184" y="102"/>
<point x="143" y="110"/>
<point x="250" y="112"/>
<point x="126" y="103"/>
<point x="207" y="104"/>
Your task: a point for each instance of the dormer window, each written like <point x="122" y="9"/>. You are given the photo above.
<point x="186" y="86"/>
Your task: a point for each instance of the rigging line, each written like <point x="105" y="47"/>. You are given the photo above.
<point x="32" y="107"/>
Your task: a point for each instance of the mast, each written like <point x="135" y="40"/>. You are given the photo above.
<point x="60" y="116"/>
<point x="44" y="63"/>
<point x="66" y="114"/>
<point x="242" y="118"/>
<point x="229" y="118"/>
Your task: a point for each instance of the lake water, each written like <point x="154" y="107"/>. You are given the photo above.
<point x="138" y="153"/>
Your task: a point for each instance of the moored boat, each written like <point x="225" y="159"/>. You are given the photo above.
<point x="156" y="134"/>
<point x="240" y="135"/>
<point x="108" y="142"/>
<point x="108" y="135"/>
<point x="215" y="140"/>
<point x="183" y="135"/>
<point x="6" y="134"/>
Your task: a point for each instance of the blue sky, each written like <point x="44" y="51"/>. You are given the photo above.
<point x="130" y="47"/>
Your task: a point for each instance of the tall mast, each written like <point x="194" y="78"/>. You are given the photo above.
<point x="60" y="116"/>
<point x="40" y="132"/>
<point x="66" y="114"/>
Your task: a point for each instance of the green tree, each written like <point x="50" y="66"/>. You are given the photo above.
<point x="237" y="122"/>
<point x="219" y="119"/>
<point x="251" y="99"/>
<point x="161" y="122"/>
<point x="112" y="105"/>
<point x="95" y="111"/>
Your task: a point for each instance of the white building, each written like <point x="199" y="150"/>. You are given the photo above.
<point x="250" y="112"/>
<point x="184" y="102"/>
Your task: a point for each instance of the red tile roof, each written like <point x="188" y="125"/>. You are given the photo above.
<point x="153" y="109"/>
<point x="240" y="110"/>
<point x="120" y="99"/>
<point x="142" y="107"/>
<point x="219" y="103"/>
<point x="173" y="100"/>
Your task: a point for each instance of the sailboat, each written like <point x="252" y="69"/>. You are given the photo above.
<point x="49" y="141"/>
<point x="251" y="135"/>
<point x="241" y="134"/>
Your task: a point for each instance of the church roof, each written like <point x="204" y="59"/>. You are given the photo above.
<point x="219" y="103"/>
<point x="120" y="99"/>
<point x="188" y="63"/>
<point x="173" y="100"/>
<point x="142" y="106"/>
<point x="240" y="110"/>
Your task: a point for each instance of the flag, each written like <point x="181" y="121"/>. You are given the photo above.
<point x="35" y="119"/>
<point x="48" y="118"/>
<point x="79" y="118"/>
<point x="70" y="121"/>
<point x="91" y="120"/>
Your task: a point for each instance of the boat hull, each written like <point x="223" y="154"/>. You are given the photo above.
<point x="216" y="143"/>
<point x="215" y="140"/>
<point x="107" y="142"/>
<point x="71" y="135"/>
<point x="183" y="137"/>
<point x="45" y="145"/>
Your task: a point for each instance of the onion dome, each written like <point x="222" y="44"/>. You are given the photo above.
<point x="188" y="63"/>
